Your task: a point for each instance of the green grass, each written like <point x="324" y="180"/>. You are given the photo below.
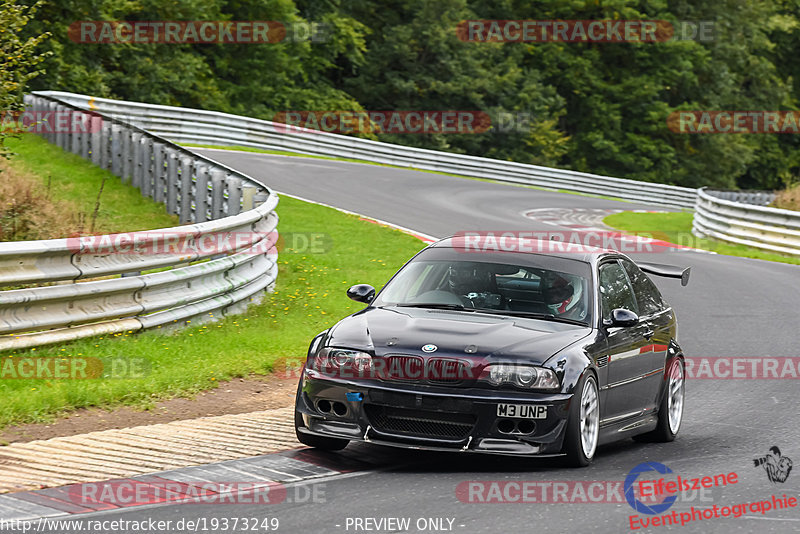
<point x="677" y="228"/>
<point x="310" y="296"/>
<point x="77" y="181"/>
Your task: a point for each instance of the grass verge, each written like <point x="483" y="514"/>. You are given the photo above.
<point x="69" y="179"/>
<point x="677" y="228"/>
<point x="310" y="296"/>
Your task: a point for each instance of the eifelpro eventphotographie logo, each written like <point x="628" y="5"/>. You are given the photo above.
<point x="777" y="466"/>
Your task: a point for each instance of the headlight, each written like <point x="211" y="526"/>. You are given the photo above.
<point x="521" y="376"/>
<point x="343" y="363"/>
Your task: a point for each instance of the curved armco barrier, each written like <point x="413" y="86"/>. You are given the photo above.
<point x="217" y="265"/>
<point x="769" y="229"/>
<point x="184" y="125"/>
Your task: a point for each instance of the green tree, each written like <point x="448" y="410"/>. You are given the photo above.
<point x="253" y="79"/>
<point x="415" y="61"/>
<point x="20" y="58"/>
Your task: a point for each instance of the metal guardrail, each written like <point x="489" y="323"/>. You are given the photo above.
<point x="769" y="229"/>
<point x="184" y="125"/>
<point x="759" y="198"/>
<point x="221" y="206"/>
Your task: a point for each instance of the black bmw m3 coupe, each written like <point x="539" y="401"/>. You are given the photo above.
<point x="534" y="351"/>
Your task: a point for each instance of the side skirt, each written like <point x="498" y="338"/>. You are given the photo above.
<point x="627" y="428"/>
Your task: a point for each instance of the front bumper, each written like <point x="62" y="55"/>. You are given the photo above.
<point x="430" y="417"/>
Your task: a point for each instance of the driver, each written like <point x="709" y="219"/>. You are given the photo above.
<point x="473" y="282"/>
<point x="562" y="294"/>
<point x="465" y="278"/>
<point x="461" y="278"/>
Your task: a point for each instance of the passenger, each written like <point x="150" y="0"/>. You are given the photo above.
<point x="562" y="294"/>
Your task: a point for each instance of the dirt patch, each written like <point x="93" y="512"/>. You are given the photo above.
<point x="27" y="210"/>
<point x="788" y="199"/>
<point x="240" y="395"/>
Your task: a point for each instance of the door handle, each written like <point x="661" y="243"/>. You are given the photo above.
<point x="649" y="334"/>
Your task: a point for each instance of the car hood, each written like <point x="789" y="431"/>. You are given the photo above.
<point x="406" y="330"/>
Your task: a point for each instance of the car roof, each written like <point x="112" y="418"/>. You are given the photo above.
<point x="505" y="242"/>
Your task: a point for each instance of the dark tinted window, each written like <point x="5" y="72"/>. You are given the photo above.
<point x="496" y="282"/>
<point x="647" y="295"/>
<point x="615" y="290"/>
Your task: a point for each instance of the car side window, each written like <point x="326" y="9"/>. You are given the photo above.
<point x="647" y="294"/>
<point x="615" y="290"/>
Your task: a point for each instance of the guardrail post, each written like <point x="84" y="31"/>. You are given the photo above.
<point x="116" y="148"/>
<point x="234" y="199"/>
<point x="58" y="127"/>
<point x="50" y="121"/>
<point x="217" y="191"/>
<point x="138" y="157"/>
<point x="201" y="193"/>
<point x="30" y="106"/>
<point x="248" y="197"/>
<point x="146" y="187"/>
<point x="96" y="137"/>
<point x="172" y="181"/>
<point x="86" y="137"/>
<point x="185" y="200"/>
<point x="158" y="172"/>
<point x="43" y="109"/>
<point x="105" y="145"/>
<point x="80" y="124"/>
<point x="65" y="121"/>
<point x="126" y="155"/>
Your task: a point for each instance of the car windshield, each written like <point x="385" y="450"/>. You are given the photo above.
<point x="536" y="289"/>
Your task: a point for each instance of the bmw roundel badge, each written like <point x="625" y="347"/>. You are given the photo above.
<point x="429" y="348"/>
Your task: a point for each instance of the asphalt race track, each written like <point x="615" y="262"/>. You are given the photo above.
<point x="732" y="307"/>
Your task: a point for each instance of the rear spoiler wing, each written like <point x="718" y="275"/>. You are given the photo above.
<point x="669" y="271"/>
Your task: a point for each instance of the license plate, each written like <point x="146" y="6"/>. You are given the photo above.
<point x="522" y="411"/>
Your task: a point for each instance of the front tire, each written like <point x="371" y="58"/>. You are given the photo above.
<point x="583" y="425"/>
<point x="318" y="442"/>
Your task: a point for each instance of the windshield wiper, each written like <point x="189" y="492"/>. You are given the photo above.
<point x="436" y="306"/>
<point x="532" y="315"/>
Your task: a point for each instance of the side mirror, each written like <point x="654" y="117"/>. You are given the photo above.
<point x="361" y="293"/>
<point x="622" y="317"/>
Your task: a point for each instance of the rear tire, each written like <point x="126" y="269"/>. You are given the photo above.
<point x="670" y="411"/>
<point x="583" y="425"/>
